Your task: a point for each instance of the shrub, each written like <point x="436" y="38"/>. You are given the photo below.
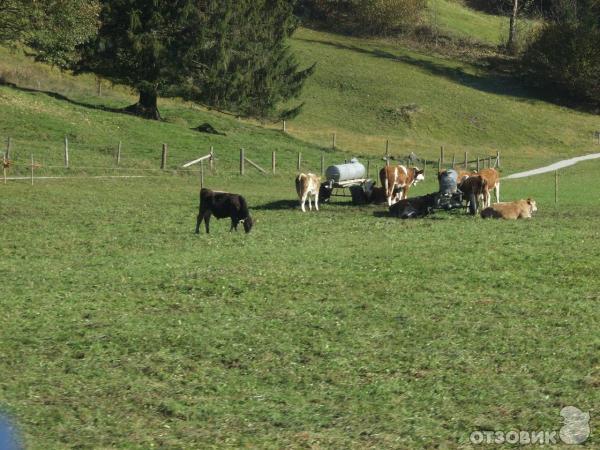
<point x="370" y="17"/>
<point x="566" y="55"/>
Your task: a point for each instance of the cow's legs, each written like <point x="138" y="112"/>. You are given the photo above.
<point x="317" y="201"/>
<point x="198" y="222"/>
<point x="303" y="201"/>
<point x="201" y="215"/>
<point x="309" y="202"/>
<point x="234" y="224"/>
<point x="388" y="194"/>
<point x="497" y="192"/>
<point x="207" y="221"/>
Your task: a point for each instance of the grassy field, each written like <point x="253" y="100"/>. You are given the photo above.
<point x="342" y="329"/>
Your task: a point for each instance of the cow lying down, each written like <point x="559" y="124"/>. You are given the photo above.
<point x="414" y="207"/>
<point x="222" y="205"/>
<point x="521" y="209"/>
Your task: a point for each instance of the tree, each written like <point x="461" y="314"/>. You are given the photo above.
<point x="565" y="56"/>
<point x="243" y="64"/>
<point x="512" y="33"/>
<point x="53" y="28"/>
<point x="227" y="53"/>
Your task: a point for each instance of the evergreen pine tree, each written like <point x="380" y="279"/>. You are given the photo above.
<point x="230" y="54"/>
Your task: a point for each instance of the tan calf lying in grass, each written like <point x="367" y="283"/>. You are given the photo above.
<point x="521" y="209"/>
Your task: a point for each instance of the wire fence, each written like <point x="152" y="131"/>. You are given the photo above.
<point x="64" y="160"/>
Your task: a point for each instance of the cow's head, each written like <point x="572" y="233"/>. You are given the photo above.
<point x="248" y="222"/>
<point x="418" y="175"/>
<point x="532" y="205"/>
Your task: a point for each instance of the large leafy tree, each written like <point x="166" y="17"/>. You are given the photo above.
<point x="52" y="28"/>
<point x="227" y="53"/>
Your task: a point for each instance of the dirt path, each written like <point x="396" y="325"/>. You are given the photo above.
<point x="553" y="167"/>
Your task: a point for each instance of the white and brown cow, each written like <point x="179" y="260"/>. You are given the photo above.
<point x="492" y="181"/>
<point x="521" y="209"/>
<point x="307" y="186"/>
<point x="399" y="179"/>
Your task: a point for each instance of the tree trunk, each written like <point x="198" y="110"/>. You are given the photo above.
<point x="512" y="36"/>
<point x="147" y="106"/>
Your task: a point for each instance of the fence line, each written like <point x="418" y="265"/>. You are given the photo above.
<point x="227" y="164"/>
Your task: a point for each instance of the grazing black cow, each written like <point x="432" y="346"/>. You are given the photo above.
<point x="221" y="205"/>
<point x="411" y="208"/>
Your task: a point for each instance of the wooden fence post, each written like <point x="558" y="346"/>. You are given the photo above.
<point x="466" y="160"/>
<point x="489" y="162"/>
<point x="242" y="159"/>
<point x="439" y="164"/>
<point x="119" y="153"/>
<point x="387" y="152"/>
<point x="442" y="155"/>
<point x="66" y="152"/>
<point x="212" y="160"/>
<point x="201" y="174"/>
<point x="498" y="159"/>
<point x="323" y="164"/>
<point x="273" y="161"/>
<point x="368" y="167"/>
<point x="477" y="163"/>
<point x="556" y="187"/>
<point x="453" y="160"/>
<point x="299" y="161"/>
<point x="284" y="127"/>
<point x="163" y="157"/>
<point x="8" y="147"/>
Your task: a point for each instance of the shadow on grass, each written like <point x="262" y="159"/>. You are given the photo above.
<point x="64" y="98"/>
<point x="277" y="205"/>
<point x="490" y="83"/>
<point x="500" y="78"/>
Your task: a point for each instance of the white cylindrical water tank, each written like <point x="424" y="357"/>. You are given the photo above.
<point x="344" y="172"/>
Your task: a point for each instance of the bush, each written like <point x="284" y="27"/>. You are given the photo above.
<point x="566" y="56"/>
<point x="367" y="17"/>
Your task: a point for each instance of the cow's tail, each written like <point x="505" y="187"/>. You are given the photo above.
<point x="301" y="182"/>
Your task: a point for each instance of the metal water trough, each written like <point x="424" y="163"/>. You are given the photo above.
<point x="351" y="176"/>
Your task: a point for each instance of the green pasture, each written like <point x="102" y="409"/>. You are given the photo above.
<point x="337" y="329"/>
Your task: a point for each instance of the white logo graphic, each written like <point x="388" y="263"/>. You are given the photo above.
<point x="576" y="429"/>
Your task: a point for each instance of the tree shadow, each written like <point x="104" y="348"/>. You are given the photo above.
<point x="499" y="82"/>
<point x="64" y="98"/>
<point x="492" y="83"/>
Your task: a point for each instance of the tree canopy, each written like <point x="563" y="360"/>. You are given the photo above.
<point x="53" y="28"/>
<point x="227" y="53"/>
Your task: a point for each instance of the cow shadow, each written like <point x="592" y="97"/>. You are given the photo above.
<point x="276" y="205"/>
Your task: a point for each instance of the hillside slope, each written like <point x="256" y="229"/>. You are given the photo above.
<point x="363" y="90"/>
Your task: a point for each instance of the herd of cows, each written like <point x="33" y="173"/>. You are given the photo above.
<point x="473" y="187"/>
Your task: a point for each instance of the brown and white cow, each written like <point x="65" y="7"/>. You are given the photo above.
<point x="473" y="188"/>
<point x="307" y="186"/>
<point x="399" y="178"/>
<point x="521" y="209"/>
<point x="492" y="181"/>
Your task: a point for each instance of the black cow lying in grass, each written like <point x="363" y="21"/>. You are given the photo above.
<point x="221" y="205"/>
<point x="414" y="207"/>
